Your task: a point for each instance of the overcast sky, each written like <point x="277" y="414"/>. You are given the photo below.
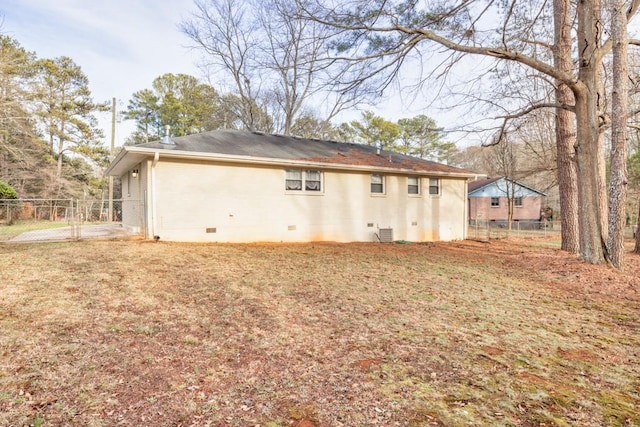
<point x="121" y="45"/>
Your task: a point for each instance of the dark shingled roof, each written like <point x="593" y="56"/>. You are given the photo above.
<point x="256" y="144"/>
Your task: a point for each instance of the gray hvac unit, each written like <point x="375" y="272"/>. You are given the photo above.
<point x="385" y="235"/>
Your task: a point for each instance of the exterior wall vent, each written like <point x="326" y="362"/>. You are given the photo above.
<point x="385" y="235"/>
<point x="292" y="227"/>
<point x="212" y="230"/>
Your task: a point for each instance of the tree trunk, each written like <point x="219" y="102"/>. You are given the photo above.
<point x="636" y="249"/>
<point x="60" y="150"/>
<point x="619" y="134"/>
<point x="565" y="130"/>
<point x="587" y="98"/>
<point x="510" y="200"/>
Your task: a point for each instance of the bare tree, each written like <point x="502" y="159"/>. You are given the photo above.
<point x="228" y="34"/>
<point x="276" y="60"/>
<point x="293" y="49"/>
<point x="504" y="162"/>
<point x="381" y="37"/>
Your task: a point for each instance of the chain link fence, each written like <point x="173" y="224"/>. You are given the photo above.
<point x="486" y="229"/>
<point x="33" y="220"/>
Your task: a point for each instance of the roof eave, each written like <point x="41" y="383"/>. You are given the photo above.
<point x="512" y="180"/>
<point x="120" y="164"/>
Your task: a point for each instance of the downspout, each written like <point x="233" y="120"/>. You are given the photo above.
<point x="156" y="158"/>
<point x="466" y="210"/>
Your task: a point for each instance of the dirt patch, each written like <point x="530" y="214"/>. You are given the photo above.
<point x="493" y="351"/>
<point x="578" y="354"/>
<point x="365" y="365"/>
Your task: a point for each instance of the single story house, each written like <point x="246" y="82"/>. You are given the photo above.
<point x="489" y="200"/>
<point x="233" y="186"/>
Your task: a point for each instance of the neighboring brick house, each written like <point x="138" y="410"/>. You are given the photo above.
<point x="489" y="200"/>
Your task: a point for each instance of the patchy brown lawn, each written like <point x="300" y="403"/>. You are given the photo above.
<point x="129" y="333"/>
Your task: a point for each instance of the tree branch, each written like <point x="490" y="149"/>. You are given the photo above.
<point x="505" y="119"/>
<point x="608" y="44"/>
<point x="417" y="35"/>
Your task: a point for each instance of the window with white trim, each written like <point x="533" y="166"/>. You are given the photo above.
<point x="303" y="180"/>
<point x="413" y="185"/>
<point x="517" y="201"/>
<point x="434" y="186"/>
<point x="312" y="180"/>
<point x="377" y="183"/>
<point x="495" y="202"/>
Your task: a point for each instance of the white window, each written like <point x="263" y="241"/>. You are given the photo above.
<point x="517" y="201"/>
<point x="377" y="183"/>
<point x="495" y="202"/>
<point x="434" y="186"/>
<point x="413" y="185"/>
<point x="294" y="180"/>
<point x="312" y="180"/>
<point x="299" y="180"/>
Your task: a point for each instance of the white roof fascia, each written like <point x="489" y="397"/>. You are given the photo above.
<point x="229" y="158"/>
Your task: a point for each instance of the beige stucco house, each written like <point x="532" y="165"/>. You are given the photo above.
<point x="232" y="186"/>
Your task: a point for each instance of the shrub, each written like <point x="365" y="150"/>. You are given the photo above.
<point x="7" y="191"/>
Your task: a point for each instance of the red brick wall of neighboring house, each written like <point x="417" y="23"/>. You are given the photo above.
<point x="480" y="209"/>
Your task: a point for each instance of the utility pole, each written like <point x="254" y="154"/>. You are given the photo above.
<point x="113" y="141"/>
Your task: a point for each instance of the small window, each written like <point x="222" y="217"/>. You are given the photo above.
<point x="517" y="201"/>
<point x="495" y="202"/>
<point x="312" y="181"/>
<point x="297" y="180"/>
<point x="413" y="185"/>
<point x="294" y="180"/>
<point x="377" y="183"/>
<point x="434" y="186"/>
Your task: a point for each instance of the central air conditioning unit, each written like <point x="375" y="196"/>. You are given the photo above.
<point x="385" y="235"/>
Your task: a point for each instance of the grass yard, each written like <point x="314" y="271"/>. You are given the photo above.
<point x="8" y="231"/>
<point x="133" y="333"/>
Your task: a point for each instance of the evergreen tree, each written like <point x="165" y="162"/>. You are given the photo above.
<point x="66" y="112"/>
<point x="179" y="101"/>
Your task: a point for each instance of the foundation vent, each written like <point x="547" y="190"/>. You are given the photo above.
<point x="212" y="230"/>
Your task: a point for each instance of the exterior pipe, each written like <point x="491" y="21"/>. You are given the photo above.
<point x="466" y="209"/>
<point x="156" y="159"/>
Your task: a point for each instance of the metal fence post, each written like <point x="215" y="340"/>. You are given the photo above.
<point x="78" y="219"/>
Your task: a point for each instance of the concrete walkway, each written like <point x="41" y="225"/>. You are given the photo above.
<point x="99" y="231"/>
